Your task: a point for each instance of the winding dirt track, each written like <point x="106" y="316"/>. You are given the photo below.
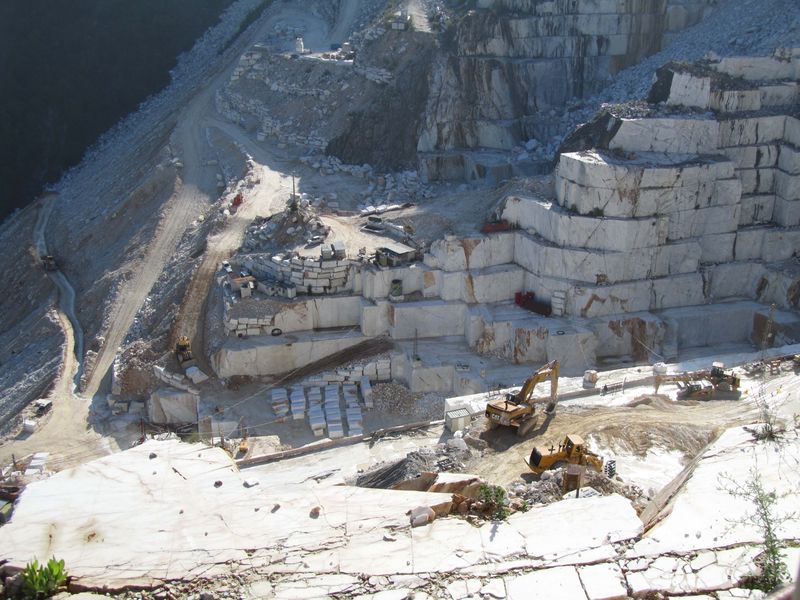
<point x="269" y="197"/>
<point x="66" y="432"/>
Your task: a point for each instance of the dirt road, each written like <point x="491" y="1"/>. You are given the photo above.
<point x="270" y="197"/>
<point x="181" y="209"/>
<point x="65" y="431"/>
<point x="267" y="198"/>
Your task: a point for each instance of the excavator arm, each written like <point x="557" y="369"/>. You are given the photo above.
<point x="550" y="370"/>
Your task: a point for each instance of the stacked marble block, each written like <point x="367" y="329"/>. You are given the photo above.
<point x="280" y="403"/>
<point x="297" y="401"/>
<point x="316" y="414"/>
<point x="674" y="209"/>
<point x="309" y="275"/>
<point x="322" y="407"/>
<point x="333" y="413"/>
<point x="355" y="421"/>
<point x="373" y="370"/>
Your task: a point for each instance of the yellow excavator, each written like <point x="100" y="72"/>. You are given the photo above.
<point x="573" y="451"/>
<point x="516" y="410"/>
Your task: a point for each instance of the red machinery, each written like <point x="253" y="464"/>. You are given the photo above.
<point x="528" y="301"/>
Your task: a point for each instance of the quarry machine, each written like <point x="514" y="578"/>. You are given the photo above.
<point x="49" y="263"/>
<point x="517" y="410"/>
<point x="715" y="383"/>
<point x="183" y="351"/>
<point x="572" y="451"/>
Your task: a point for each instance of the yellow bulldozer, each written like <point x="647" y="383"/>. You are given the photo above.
<point x="715" y="383"/>
<point x="183" y="351"/>
<point x="517" y="410"/>
<point x="571" y="451"/>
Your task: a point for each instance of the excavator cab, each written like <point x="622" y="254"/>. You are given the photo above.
<point x="517" y="410"/>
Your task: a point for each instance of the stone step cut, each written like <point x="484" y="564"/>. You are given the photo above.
<point x="562" y="228"/>
<point x="587" y="266"/>
<point x="789" y="160"/>
<point x="679" y="135"/>
<point x="756" y="209"/>
<point x="600" y="184"/>
<point x="751" y="131"/>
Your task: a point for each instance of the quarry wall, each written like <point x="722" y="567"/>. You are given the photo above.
<point x="514" y="64"/>
<point x="662" y="232"/>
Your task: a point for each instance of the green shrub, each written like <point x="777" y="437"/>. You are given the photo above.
<point x="41" y="581"/>
<point x="495" y="497"/>
<point x="763" y="515"/>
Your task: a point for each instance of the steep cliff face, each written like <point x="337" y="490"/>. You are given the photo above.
<point x="382" y="127"/>
<point x="513" y="62"/>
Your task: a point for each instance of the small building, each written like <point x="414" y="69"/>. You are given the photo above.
<point x="394" y="254"/>
<point x="237" y="283"/>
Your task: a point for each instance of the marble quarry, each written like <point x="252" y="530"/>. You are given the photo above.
<point x="517" y="63"/>
<point x="670" y="226"/>
<point x="197" y="515"/>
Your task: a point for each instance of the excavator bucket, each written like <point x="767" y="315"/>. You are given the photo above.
<point x="536" y="458"/>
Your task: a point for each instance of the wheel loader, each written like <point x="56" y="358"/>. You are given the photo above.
<point x="517" y="410"/>
<point x="572" y="451"/>
<point x="183" y="351"/>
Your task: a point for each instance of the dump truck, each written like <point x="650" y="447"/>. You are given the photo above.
<point x="183" y="351"/>
<point x="517" y="410"/>
<point x="571" y="451"/>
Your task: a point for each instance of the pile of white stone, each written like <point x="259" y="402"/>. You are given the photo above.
<point x="383" y="188"/>
<point x="174" y="379"/>
<point x="234" y="107"/>
<point x="374" y="370"/>
<point x="315" y="276"/>
<point x="329" y="165"/>
<point x="333" y="413"/>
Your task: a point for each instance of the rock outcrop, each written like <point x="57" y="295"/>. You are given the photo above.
<point x="514" y="64"/>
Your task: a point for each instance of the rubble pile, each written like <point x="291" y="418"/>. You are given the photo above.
<point x="298" y="101"/>
<point x="441" y="458"/>
<point x="382" y="188"/>
<point x="286" y="229"/>
<point x="550" y="488"/>
<point x="398" y="399"/>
